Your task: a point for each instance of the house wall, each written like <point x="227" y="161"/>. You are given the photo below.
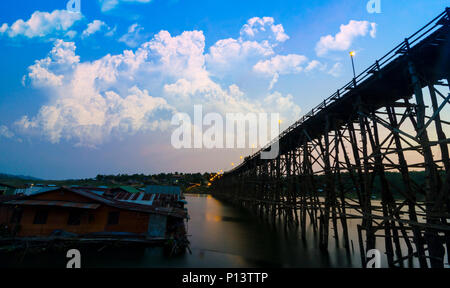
<point x="5" y="214"/>
<point x="129" y="221"/>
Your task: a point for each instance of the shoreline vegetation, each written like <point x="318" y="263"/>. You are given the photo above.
<point x="183" y="180"/>
<point x="197" y="183"/>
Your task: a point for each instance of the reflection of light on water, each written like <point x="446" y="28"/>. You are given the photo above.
<point x="213" y="207"/>
<point x="226" y="236"/>
<point x="213" y="218"/>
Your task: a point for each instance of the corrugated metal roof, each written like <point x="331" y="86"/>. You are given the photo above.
<point x="130" y="189"/>
<point x="159" y="189"/>
<point x="54" y="203"/>
<point x="138" y="198"/>
<point x="97" y="192"/>
<point x="35" y="190"/>
<point x="137" y="205"/>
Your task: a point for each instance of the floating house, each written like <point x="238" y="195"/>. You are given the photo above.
<point x="91" y="213"/>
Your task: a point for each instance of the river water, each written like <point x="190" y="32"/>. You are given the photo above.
<point x="223" y="236"/>
<point x="226" y="236"/>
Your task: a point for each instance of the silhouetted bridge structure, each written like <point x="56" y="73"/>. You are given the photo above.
<point x="393" y="117"/>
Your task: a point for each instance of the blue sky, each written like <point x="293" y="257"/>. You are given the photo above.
<point x="89" y="93"/>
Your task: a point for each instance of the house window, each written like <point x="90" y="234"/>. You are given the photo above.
<point x="74" y="218"/>
<point x="40" y="217"/>
<point x="113" y="218"/>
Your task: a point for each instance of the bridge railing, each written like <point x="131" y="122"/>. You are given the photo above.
<point x="422" y="33"/>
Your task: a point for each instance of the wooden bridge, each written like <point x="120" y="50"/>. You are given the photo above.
<point x="393" y="117"/>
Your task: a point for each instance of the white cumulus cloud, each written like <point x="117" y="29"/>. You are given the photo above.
<point x="343" y="40"/>
<point x="3" y="28"/>
<point x="258" y="38"/>
<point x="284" y="64"/>
<point x="135" y="36"/>
<point x="5" y="132"/>
<point x="42" y="24"/>
<point x="85" y="105"/>
<point x="263" y="28"/>
<point x="138" y="91"/>
<point x="284" y="105"/>
<point x="47" y="72"/>
<point x="336" y="70"/>
<point x="94" y="27"/>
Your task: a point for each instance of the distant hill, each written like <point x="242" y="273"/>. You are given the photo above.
<point x="22" y="177"/>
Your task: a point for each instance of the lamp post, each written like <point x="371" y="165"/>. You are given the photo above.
<point x="352" y="54"/>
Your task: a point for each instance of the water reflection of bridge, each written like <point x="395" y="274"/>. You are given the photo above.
<point x="393" y="117"/>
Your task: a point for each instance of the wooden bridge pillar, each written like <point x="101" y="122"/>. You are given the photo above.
<point x="388" y="203"/>
<point x="411" y="195"/>
<point x="435" y="248"/>
<point x="340" y="183"/>
<point x="445" y="157"/>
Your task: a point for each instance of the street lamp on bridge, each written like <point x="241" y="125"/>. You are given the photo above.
<point x="352" y="54"/>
